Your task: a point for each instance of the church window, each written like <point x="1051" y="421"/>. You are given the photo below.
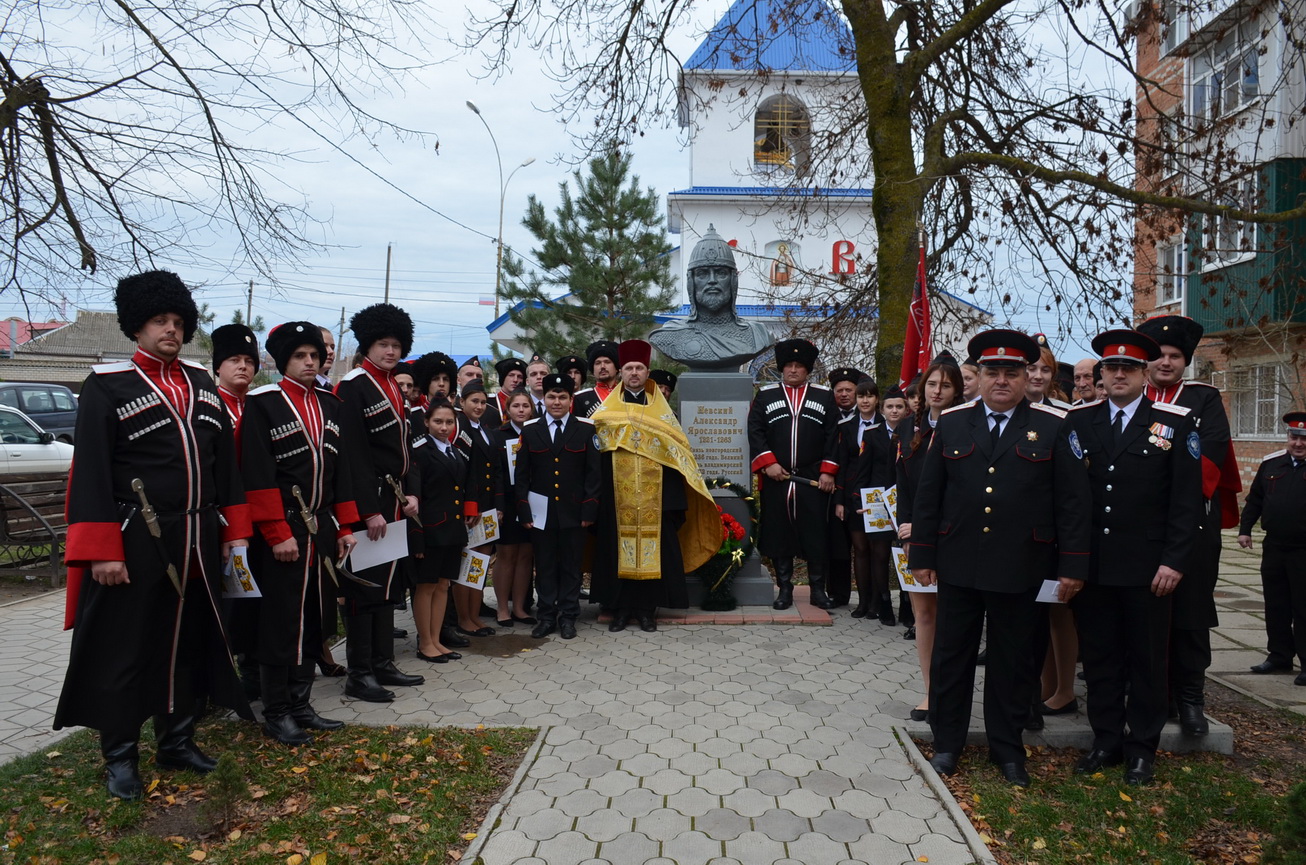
<point x="781" y="134"/>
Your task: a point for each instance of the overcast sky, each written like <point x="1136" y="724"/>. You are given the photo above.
<point x="442" y="267"/>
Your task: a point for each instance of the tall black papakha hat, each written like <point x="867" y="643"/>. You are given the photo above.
<point x="379" y="321"/>
<point x="142" y="296"/>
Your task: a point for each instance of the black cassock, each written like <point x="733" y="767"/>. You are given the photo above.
<point x="380" y="446"/>
<point x="139" y="649"/>
<point x="670" y="590"/>
<point x="804" y="443"/>
<point x="278" y="455"/>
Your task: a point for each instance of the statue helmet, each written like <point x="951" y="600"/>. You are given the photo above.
<point x="712" y="250"/>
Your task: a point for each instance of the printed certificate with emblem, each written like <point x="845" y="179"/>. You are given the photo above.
<point x="475" y="567"/>
<point x="237" y="581"/>
<point x="512" y="447"/>
<point x="484" y="531"/>
<point x="905" y="579"/>
<point x="879" y="509"/>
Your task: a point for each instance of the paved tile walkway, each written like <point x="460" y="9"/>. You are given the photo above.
<point x="700" y="743"/>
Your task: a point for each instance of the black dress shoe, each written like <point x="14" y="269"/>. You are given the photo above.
<point x="400" y="634"/>
<point x="185" y="757"/>
<point x="449" y="637"/>
<point x="1139" y="771"/>
<point x="1014" y="773"/>
<point x="452" y="656"/>
<point x="910" y="633"/>
<point x="309" y="719"/>
<point x="525" y="620"/>
<point x="123" y="780"/>
<point x="919" y="714"/>
<point x="1096" y="759"/>
<point x="543" y="629"/>
<point x="886" y="617"/>
<point x="479" y="632"/>
<point x="1192" y="719"/>
<point x="367" y="688"/>
<point x="617" y="624"/>
<point x="861" y="612"/>
<point x="285" y="731"/>
<point x="503" y="623"/>
<point x="1301" y="678"/>
<point x="1268" y="666"/>
<point x="388" y="674"/>
<point x="567" y="630"/>
<point x="944" y="762"/>
<point x="1068" y="709"/>
<point x="431" y="659"/>
<point x="648" y="624"/>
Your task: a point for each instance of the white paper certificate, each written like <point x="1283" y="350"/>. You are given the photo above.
<point x="1047" y="593"/>
<point x="237" y="581"/>
<point x="474" y="568"/>
<point x="369" y="553"/>
<point x="875" y="512"/>
<point x="484" y="531"/>
<point x="905" y="579"/>
<point x="512" y="447"/>
<point x="539" y="505"/>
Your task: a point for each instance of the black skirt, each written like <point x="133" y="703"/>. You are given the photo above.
<point x="439" y="563"/>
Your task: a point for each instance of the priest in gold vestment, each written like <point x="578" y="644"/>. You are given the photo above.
<point x="657" y="519"/>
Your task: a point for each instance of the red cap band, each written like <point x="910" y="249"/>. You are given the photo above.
<point x="1123" y="350"/>
<point x="999" y="352"/>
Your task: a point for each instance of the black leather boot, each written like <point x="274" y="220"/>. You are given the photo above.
<point x="360" y="682"/>
<point x="383" y="653"/>
<point x="784" y="580"/>
<point x="301" y="709"/>
<point x="175" y="735"/>
<point x="121" y="754"/>
<point x="816" y="582"/>
<point x="648" y="619"/>
<point x="886" y="610"/>
<point x="277" y="722"/>
<point x="1192" y="715"/>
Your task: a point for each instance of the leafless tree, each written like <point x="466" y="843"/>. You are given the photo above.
<point x="133" y="130"/>
<point x="993" y="123"/>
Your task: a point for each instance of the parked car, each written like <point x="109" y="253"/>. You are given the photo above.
<point x="52" y="406"/>
<point x="26" y="449"/>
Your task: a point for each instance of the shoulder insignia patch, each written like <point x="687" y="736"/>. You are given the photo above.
<point x="1195" y="383"/>
<point x="588" y="420"/>
<point x="531" y="421"/>
<point x="193" y="365"/>
<point x="852" y="417"/>
<point x="354" y="373"/>
<point x="267" y="388"/>
<point x="1050" y="409"/>
<point x="118" y="366"/>
<point x="579" y="392"/>
<point x="1181" y="410"/>
<point x="819" y="386"/>
<point x="772" y="386"/>
<point x="1061" y="404"/>
<point x="1274" y="455"/>
<point x="1084" y="405"/>
<point x="961" y="407"/>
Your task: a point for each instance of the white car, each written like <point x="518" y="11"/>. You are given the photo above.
<point x="26" y="449"/>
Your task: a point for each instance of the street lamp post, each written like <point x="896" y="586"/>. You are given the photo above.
<point x="503" y="194"/>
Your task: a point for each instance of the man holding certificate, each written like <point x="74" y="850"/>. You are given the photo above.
<point x="302" y="503"/>
<point x="1002" y="505"/>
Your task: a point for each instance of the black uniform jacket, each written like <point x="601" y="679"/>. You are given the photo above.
<point x="911" y="460"/>
<point x="442" y="488"/>
<point x="278" y="454"/>
<point x="1146" y="489"/>
<point x="1278" y="499"/>
<point x="1002" y="519"/>
<point x="878" y="456"/>
<point x="1219" y="464"/>
<point x="566" y="471"/>
<point x="485" y="481"/>
<point x="585" y="402"/>
<point x="379" y="446"/>
<point x="122" y="666"/>
<point x="847" y="492"/>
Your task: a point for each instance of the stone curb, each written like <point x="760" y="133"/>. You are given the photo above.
<point x="1220" y="680"/>
<point x="31" y="598"/>
<point x="473" y="852"/>
<point x="977" y="847"/>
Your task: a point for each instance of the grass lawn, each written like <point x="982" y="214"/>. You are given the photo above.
<point x="380" y="795"/>
<point x="1205" y="808"/>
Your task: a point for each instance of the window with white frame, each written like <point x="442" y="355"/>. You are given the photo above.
<point x="1258" y="397"/>
<point x="1226" y="76"/>
<point x="1171" y="268"/>
<point x="1174" y="26"/>
<point x="1225" y="239"/>
<point x="1170" y="141"/>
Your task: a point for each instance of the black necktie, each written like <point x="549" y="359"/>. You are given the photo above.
<point x="557" y="429"/>
<point x="1119" y="425"/>
<point x="996" y="432"/>
<point x="539" y="409"/>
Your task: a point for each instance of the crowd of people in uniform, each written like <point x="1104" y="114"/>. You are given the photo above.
<point x="1116" y="502"/>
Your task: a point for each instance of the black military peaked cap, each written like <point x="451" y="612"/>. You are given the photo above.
<point x="1125" y="347"/>
<point x="1000" y="347"/>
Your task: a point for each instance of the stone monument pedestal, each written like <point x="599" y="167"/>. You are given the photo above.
<point x="714" y="415"/>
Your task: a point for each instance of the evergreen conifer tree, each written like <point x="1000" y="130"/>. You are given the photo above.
<point x="605" y="247"/>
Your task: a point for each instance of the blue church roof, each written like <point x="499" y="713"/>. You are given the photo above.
<point x="774" y="191"/>
<point x="778" y="35"/>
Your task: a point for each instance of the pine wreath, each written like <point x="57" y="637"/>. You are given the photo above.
<point x="718" y="573"/>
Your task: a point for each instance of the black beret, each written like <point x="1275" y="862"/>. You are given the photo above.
<point x="379" y="321"/>
<point x="284" y="339"/>
<point x="1179" y="331"/>
<point x="507" y="365"/>
<point x="428" y="366"/>
<point x="800" y="350"/>
<point x="662" y="377"/>
<point x="944" y="357"/>
<point x="558" y="381"/>
<point x="142" y="296"/>
<point x="233" y="340"/>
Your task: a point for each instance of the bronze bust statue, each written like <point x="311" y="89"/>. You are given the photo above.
<point x="714" y="337"/>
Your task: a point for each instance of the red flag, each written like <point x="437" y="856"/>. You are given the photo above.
<point x="916" y="349"/>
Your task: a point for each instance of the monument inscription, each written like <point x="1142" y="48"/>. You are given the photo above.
<point x="718" y="433"/>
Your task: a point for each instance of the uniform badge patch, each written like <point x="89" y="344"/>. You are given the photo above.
<point x="1194" y="446"/>
<point x="1074" y="445"/>
<point x="1032" y="435"/>
<point x="597" y="446"/>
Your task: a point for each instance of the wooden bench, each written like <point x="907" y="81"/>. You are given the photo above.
<point x="34" y="526"/>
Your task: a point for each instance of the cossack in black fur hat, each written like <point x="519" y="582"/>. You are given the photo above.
<point x="1177" y="330"/>
<point x="284" y="339"/>
<point x="800" y="350"/>
<point x="381" y="320"/>
<point x="233" y="340"/>
<point x="142" y="296"/>
<point x="428" y="366"/>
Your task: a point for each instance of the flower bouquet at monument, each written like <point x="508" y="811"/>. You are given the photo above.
<point x="717" y="573"/>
